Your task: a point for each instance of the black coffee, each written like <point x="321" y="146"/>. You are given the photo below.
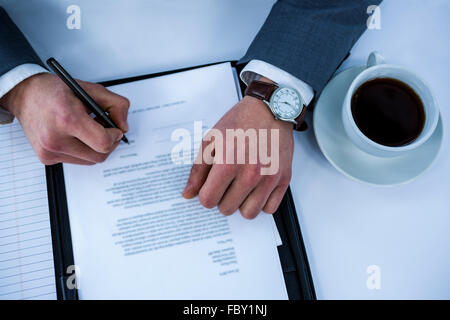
<point x="388" y="112"/>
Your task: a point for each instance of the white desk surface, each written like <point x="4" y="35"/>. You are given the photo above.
<point x="405" y="230"/>
<point x="124" y="38"/>
<point x="347" y="225"/>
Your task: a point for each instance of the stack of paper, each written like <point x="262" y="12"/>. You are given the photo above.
<point x="133" y="234"/>
<point x="26" y="257"/>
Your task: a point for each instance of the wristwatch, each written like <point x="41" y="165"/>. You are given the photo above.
<point x="285" y="103"/>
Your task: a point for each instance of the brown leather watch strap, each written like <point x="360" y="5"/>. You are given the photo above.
<point x="260" y="90"/>
<point x="301" y="124"/>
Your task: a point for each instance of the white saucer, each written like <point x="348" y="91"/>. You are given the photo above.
<point x="355" y="163"/>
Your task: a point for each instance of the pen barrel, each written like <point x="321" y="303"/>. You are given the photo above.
<point x="95" y="108"/>
<point x="80" y="92"/>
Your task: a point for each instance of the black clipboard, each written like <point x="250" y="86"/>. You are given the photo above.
<point x="292" y="252"/>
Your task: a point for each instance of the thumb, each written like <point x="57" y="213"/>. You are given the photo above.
<point x="197" y="177"/>
<point x="116" y="105"/>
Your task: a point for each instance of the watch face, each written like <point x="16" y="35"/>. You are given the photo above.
<point x="286" y="103"/>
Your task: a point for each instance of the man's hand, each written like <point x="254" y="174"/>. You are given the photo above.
<point x="241" y="186"/>
<point x="58" y="125"/>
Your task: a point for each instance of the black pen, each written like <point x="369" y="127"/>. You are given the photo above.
<point x="82" y="95"/>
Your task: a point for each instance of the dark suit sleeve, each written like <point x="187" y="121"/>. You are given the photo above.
<point x="310" y="38"/>
<point x="14" y="48"/>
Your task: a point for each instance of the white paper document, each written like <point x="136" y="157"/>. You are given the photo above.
<point x="135" y="237"/>
<point x="26" y="256"/>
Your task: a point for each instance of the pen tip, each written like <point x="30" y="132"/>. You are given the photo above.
<point x="124" y="139"/>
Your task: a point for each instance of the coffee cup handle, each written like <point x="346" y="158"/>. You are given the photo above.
<point x="374" y="59"/>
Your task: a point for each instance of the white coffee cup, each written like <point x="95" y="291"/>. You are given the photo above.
<point x="377" y="68"/>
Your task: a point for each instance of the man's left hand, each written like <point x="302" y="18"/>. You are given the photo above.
<point x="243" y="186"/>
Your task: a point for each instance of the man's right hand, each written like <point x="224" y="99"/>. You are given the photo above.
<point x="57" y="124"/>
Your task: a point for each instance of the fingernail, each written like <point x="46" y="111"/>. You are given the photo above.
<point x="186" y="190"/>
<point x="119" y="137"/>
<point x="125" y="128"/>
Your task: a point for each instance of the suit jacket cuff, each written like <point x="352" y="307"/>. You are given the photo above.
<point x="309" y="39"/>
<point x="255" y="69"/>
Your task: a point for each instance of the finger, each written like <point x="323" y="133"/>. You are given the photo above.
<point x="275" y="198"/>
<point x="219" y="178"/>
<point x="257" y="199"/>
<point x="50" y="158"/>
<point x="77" y="149"/>
<point x="73" y="147"/>
<point x="198" y="175"/>
<point x="62" y="158"/>
<point x="116" y="105"/>
<point x="239" y="189"/>
<point x="95" y="136"/>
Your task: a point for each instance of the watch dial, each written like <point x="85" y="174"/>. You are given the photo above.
<point x="286" y="103"/>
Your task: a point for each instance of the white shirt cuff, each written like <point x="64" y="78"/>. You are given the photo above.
<point x="256" y="69"/>
<point x="12" y="78"/>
